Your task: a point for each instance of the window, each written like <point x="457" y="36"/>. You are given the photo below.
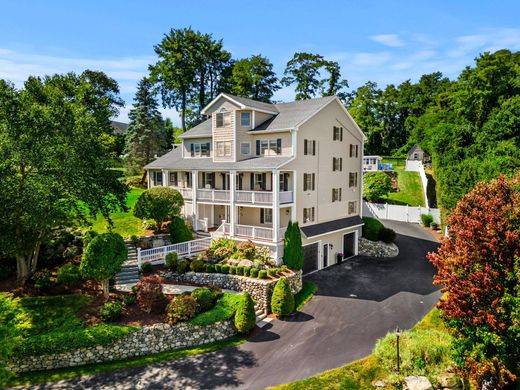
<point x="354" y="150"/>
<point x="336" y="195"/>
<point x="284" y="182"/>
<point x="352" y="207"/>
<point x="337" y="133"/>
<point x="245" y="148"/>
<point x="157" y="178"/>
<point x="245" y="119"/>
<point x="188" y="179"/>
<point x="309" y="181"/>
<point x="173" y="179"/>
<point x="208" y="179"/>
<point x="266" y="215"/>
<point x="200" y="149"/>
<point x="259" y="181"/>
<point x="224" y="149"/>
<point x="337" y="164"/>
<point x="308" y="214"/>
<point x="270" y="147"/>
<point x="352" y="179"/>
<point x="309" y="147"/>
<point x="223" y="118"/>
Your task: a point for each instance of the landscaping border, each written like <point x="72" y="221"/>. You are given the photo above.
<point x="144" y="341"/>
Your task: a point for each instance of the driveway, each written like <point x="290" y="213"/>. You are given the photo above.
<point x="357" y="302"/>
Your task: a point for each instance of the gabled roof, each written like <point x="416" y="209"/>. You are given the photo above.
<point x="243" y="103"/>
<point x="119" y="127"/>
<point x="202" y="130"/>
<point x="174" y="160"/>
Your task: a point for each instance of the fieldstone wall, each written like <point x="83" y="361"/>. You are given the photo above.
<point x="157" y="240"/>
<point x="260" y="289"/>
<point x="377" y="248"/>
<point x="144" y="341"/>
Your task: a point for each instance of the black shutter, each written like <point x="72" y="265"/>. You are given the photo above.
<point x="340" y="194"/>
<point x="305" y="182"/>
<point x="304" y="215"/>
<point x="312" y="214"/>
<point x="258" y="147"/>
<point x="341" y="164"/>
<point x="333" y="193"/>
<point x="279" y="146"/>
<point x="208" y="146"/>
<point x="313" y="181"/>
<point x="252" y="181"/>
<point x="305" y="149"/>
<point x="341" y="134"/>
<point x="262" y="216"/>
<point x="314" y="148"/>
<point x="357" y="150"/>
<point x="334" y="164"/>
<point x="334" y="133"/>
<point x="192" y="150"/>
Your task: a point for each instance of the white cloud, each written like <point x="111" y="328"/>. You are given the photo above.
<point x="391" y="40"/>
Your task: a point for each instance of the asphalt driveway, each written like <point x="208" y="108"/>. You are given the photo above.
<point x="358" y="302"/>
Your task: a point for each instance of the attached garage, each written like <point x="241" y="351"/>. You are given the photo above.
<point x="310" y="257"/>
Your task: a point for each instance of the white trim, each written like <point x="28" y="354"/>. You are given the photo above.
<point x="242" y="106"/>
<point x="183" y="137"/>
<point x="331" y="232"/>
<point x="253" y="131"/>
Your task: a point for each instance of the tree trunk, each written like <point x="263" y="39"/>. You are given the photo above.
<point x="143" y="179"/>
<point x="104" y="286"/>
<point x="22" y="269"/>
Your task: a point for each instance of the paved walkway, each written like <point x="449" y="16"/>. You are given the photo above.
<point x="357" y="302"/>
<point x="174" y="289"/>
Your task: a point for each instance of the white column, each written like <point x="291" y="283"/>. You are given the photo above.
<point x="275" y="185"/>
<point x="294" y="177"/>
<point x="149" y="179"/>
<point x="232" y="208"/>
<point x="194" y="185"/>
<point x="165" y="178"/>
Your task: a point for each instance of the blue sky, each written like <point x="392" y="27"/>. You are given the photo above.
<point x="383" y="41"/>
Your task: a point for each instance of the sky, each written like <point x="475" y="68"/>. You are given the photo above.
<point x="386" y="41"/>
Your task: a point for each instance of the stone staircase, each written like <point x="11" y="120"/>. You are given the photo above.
<point x="129" y="271"/>
<point x="260" y="314"/>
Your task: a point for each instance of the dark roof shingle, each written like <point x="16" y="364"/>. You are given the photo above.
<point x="331" y="226"/>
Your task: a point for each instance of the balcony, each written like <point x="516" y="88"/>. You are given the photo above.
<point x="213" y="195"/>
<point x="187" y="193"/>
<point x="261" y="198"/>
<point x="250" y="232"/>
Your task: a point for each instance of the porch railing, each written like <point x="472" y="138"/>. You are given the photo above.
<point x="183" y="249"/>
<point x="254" y="232"/>
<point x="187" y="193"/>
<point x="213" y="195"/>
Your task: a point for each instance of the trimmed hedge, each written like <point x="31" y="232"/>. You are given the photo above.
<point x="204" y="298"/>
<point x="245" y="317"/>
<point x="371" y="228"/>
<point x="282" y="300"/>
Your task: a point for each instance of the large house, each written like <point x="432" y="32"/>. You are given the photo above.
<point x="252" y="166"/>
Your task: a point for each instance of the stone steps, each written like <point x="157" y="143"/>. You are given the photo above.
<point x="129" y="273"/>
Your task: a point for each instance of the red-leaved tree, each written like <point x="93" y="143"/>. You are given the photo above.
<point x="479" y="267"/>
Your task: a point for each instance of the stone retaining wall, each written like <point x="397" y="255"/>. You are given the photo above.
<point x="157" y="240"/>
<point x="377" y="248"/>
<point x="144" y="341"/>
<point x="260" y="289"/>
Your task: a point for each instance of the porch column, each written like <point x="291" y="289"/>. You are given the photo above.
<point x="194" y="185"/>
<point x="275" y="185"/>
<point x="232" y="208"/>
<point x="294" y="178"/>
<point x="165" y="178"/>
<point x="149" y="179"/>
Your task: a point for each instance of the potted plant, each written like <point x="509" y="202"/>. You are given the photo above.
<point x="339" y="257"/>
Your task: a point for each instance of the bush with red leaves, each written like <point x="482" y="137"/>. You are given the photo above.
<point x="181" y="308"/>
<point x="479" y="267"/>
<point x="149" y="294"/>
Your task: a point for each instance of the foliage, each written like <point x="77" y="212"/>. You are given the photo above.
<point x="410" y="190"/>
<point x="253" y="78"/>
<point x="371" y="228"/>
<point x="68" y="274"/>
<point x="13" y="322"/>
<point x="103" y="258"/>
<point x="129" y="299"/>
<point x="387" y="235"/>
<point x="223" y="310"/>
<point x="179" y="232"/>
<point x="282" y="300"/>
<point x="182" y="266"/>
<point x="240" y="270"/>
<point x="263" y="256"/>
<point x="181" y="308"/>
<point x="149" y="293"/>
<point x="272" y="272"/>
<point x="376" y="185"/>
<point x="222" y="248"/>
<point x="42" y="279"/>
<point x="171" y="260"/>
<point x="479" y="266"/>
<point x="218" y="268"/>
<point x="245" y="317"/>
<point x="204" y="298"/>
<point x="247" y="249"/>
<point x="159" y="204"/>
<point x="254" y="272"/>
<point x="304" y="295"/>
<point x="146" y="268"/>
<point x="210" y="268"/>
<point x="426" y="219"/>
<point x="262" y="274"/>
<point x="293" y="250"/>
<point x="247" y="271"/>
<point x="111" y="311"/>
<point x="233" y="270"/>
<point x="225" y="269"/>
<point x="197" y="266"/>
<point x="53" y="162"/>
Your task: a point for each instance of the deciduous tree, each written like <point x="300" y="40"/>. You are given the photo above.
<point x="159" y="204"/>
<point x="376" y="185"/>
<point x="254" y="78"/>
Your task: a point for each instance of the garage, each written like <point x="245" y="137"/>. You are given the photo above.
<point x="310" y="257"/>
<point x="349" y="243"/>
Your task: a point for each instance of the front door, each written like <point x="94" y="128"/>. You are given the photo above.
<point x="325" y="255"/>
<point x="349" y="245"/>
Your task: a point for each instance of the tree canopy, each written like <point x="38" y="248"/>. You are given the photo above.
<point x="254" y="78"/>
<point x="376" y="185"/>
<point x="159" y="204"/>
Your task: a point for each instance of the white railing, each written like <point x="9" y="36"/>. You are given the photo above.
<point x="254" y="232"/>
<point x="187" y="193"/>
<point x="183" y="249"/>
<point x="203" y="194"/>
<point x="286" y="197"/>
<point x="221" y="195"/>
<point x="213" y="195"/>
<point x="399" y="213"/>
<point x="254" y="197"/>
<point x="202" y="224"/>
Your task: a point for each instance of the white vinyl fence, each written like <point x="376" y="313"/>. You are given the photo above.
<point x="399" y="213"/>
<point x="183" y="249"/>
<point x="417" y="166"/>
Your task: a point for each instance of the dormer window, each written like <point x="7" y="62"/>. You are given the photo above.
<point x="245" y="119"/>
<point x="223" y="118"/>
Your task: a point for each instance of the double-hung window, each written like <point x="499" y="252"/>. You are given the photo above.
<point x="337" y="133"/>
<point x="354" y="150"/>
<point x="223" y="148"/>
<point x="309" y="147"/>
<point x="223" y="119"/>
<point x="352" y="207"/>
<point x="308" y="214"/>
<point x="352" y="179"/>
<point x="336" y="195"/>
<point x="157" y="178"/>
<point x="266" y="215"/>
<point x="309" y="181"/>
<point x="198" y="149"/>
<point x="245" y="119"/>
<point x="173" y="179"/>
<point x="337" y="164"/>
<point x="245" y="148"/>
<point x="270" y="147"/>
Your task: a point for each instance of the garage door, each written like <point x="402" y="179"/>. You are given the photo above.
<point x="310" y="258"/>
<point x="349" y="245"/>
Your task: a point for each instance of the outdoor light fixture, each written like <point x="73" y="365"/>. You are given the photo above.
<point x="397" y="334"/>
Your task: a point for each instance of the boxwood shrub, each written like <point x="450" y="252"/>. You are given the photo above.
<point x="233" y="270"/>
<point x="262" y="274"/>
<point x="240" y="270"/>
<point x="282" y="300"/>
<point x="254" y="272"/>
<point x="225" y="269"/>
<point x="247" y="271"/>
<point x="204" y="298"/>
<point x="218" y="268"/>
<point x="111" y="311"/>
<point x="245" y="317"/>
<point x="182" y="266"/>
<point x="146" y="268"/>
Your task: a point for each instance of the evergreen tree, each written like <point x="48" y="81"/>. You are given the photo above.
<point x="146" y="136"/>
<point x="282" y="300"/>
<point x="293" y="251"/>
<point x="245" y="316"/>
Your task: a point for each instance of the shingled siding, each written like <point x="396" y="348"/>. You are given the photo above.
<point x="224" y="134"/>
<point x="144" y="341"/>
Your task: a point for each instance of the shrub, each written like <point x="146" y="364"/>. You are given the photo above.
<point x="272" y="272"/>
<point x="88" y="237"/>
<point x="217" y="293"/>
<point x="150" y="293"/>
<point x="111" y="311"/>
<point x="103" y="258"/>
<point x="233" y="270"/>
<point x="68" y="274"/>
<point x="135" y="240"/>
<point x="247" y="271"/>
<point x="129" y="299"/>
<point x="218" y="268"/>
<point x="182" y="266"/>
<point x="387" y="235"/>
<point x="262" y="274"/>
<point x="426" y="219"/>
<point x="263" y="256"/>
<point x="171" y="261"/>
<point x="376" y="185"/>
<point x="71" y="251"/>
<point x="179" y="231"/>
<point x="293" y="250"/>
<point x="204" y="298"/>
<point x="247" y="249"/>
<point x="245" y="316"/>
<point x="210" y="268"/>
<point x="221" y="249"/>
<point x="146" y="268"/>
<point x="284" y="268"/>
<point x="240" y="270"/>
<point x="434" y="225"/>
<point x="197" y="266"/>
<point x="159" y="204"/>
<point x="371" y="228"/>
<point x="254" y="272"/>
<point x="42" y="279"/>
<point x="225" y="269"/>
<point x="282" y="300"/>
<point x="181" y="308"/>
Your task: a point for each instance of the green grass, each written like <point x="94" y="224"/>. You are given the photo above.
<point x="410" y="189"/>
<point x="91" y="369"/>
<point x="52" y="326"/>
<point x="305" y="294"/>
<point x="223" y="310"/>
<point x="371" y="228"/>
<point x="124" y="223"/>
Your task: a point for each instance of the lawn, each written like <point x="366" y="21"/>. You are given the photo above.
<point x="304" y="295"/>
<point x="124" y="223"/>
<point x="410" y="189"/>
<point x="223" y="310"/>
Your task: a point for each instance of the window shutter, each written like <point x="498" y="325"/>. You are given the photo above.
<point x="314" y="148"/>
<point x="258" y="147"/>
<point x="305" y="182"/>
<point x="341" y="164"/>
<point x="312" y="214"/>
<point x="192" y="150"/>
<point x="305" y="149"/>
<point x="252" y="181"/>
<point x="313" y="181"/>
<point x="304" y="215"/>
<point x="340" y="194"/>
<point x="333" y="164"/>
<point x="357" y="150"/>
<point x="279" y="146"/>
<point x="334" y="133"/>
<point x="341" y="134"/>
<point x="333" y="193"/>
<point x="262" y="216"/>
<point x="208" y="146"/>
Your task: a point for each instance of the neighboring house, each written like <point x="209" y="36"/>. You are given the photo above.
<point x="372" y="163"/>
<point x="417" y="154"/>
<point x="119" y="127"/>
<point x="253" y="166"/>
